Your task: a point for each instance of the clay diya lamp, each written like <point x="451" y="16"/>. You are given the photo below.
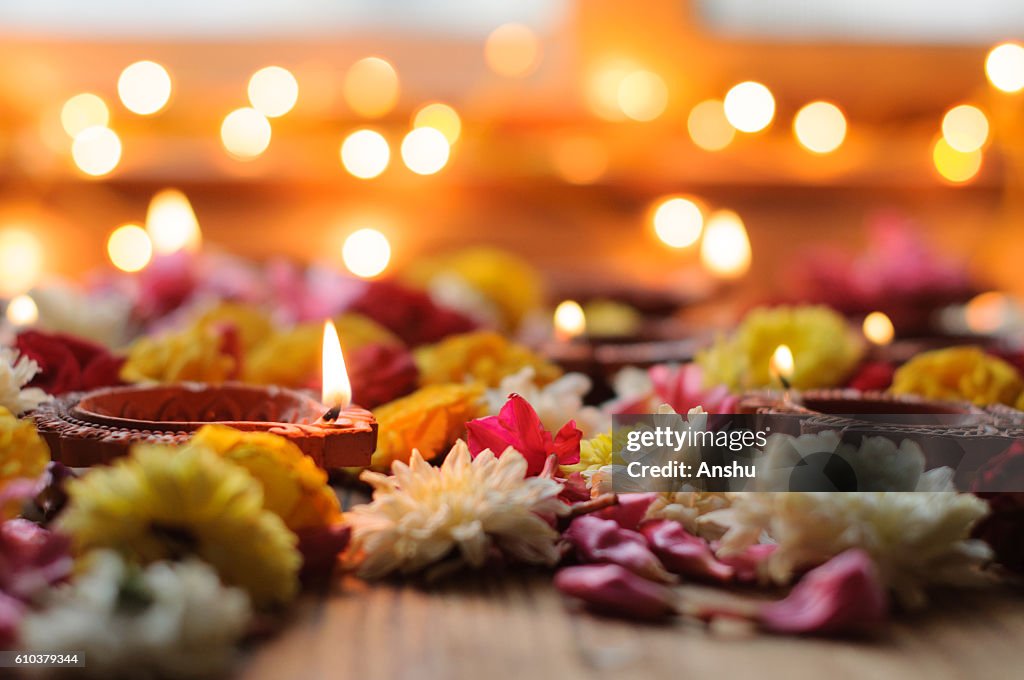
<point x="96" y="427"/>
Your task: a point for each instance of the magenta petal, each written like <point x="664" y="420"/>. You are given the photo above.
<point x="844" y="595"/>
<point x="630" y="510"/>
<point x="616" y="591"/>
<point x="11" y="611"/>
<point x="519" y="416"/>
<point x="567" y="444"/>
<point x="685" y="554"/>
<point x="746" y="564"/>
<point x="487" y="433"/>
<point x="320" y="547"/>
<point x="602" y="540"/>
<point x="31" y="558"/>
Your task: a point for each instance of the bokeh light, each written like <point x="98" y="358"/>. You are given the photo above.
<point x="878" y="328"/>
<point x="144" y="87"/>
<point x="245" y="133"/>
<point x="965" y="128"/>
<point x="83" y="111"/>
<point x="371" y="87"/>
<point x="171" y="223"/>
<point x="425" y="150"/>
<point x="513" y="50"/>
<point x="1004" y="67"/>
<point x="129" y="248"/>
<point x="579" y="160"/>
<point x="820" y="127"/>
<point x="642" y="95"/>
<point x="988" y="312"/>
<point x="22" y="311"/>
<point x="709" y="128"/>
<point x="365" y="153"/>
<point x="749" y="106"/>
<point x="440" y="117"/>
<point x="273" y="91"/>
<point x="96" y="150"/>
<point x="956" y="166"/>
<point x="678" y="221"/>
<point x="366" y="253"/>
<point x="21" y="260"/>
<point x="570" y="321"/>
<point x="602" y="91"/>
<point x="725" y="249"/>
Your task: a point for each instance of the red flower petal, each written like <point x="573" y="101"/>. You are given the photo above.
<point x="685" y="554"/>
<point x="614" y="590"/>
<point x="602" y="540"/>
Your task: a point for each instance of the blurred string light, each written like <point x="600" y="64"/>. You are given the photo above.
<point x="642" y="95"/>
<point x="96" y="150"/>
<point x="708" y="127"/>
<point x="171" y="223"/>
<point x="965" y="128"/>
<point x="678" y="221"/>
<point x="820" y="127"/>
<point x="366" y="253"/>
<point x="955" y="166"/>
<point x="749" y="106"/>
<point x="83" y="111"/>
<point x="725" y="249"/>
<point x="513" y="50"/>
<point x="22" y="311"/>
<point x="440" y="117"/>
<point x="245" y="133"/>
<point x="21" y="260"/>
<point x="579" y="160"/>
<point x="273" y="91"/>
<point x="365" y="154"/>
<point x="425" y="150"/>
<point x="144" y="87"/>
<point x="129" y="248"/>
<point x="878" y="328"/>
<point x="1004" y="67"/>
<point x="371" y="87"/>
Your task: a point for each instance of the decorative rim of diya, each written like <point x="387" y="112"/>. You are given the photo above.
<point x="84" y="429"/>
<point x="851" y="408"/>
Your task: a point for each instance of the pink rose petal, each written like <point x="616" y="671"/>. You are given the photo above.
<point x="603" y="540"/>
<point x="685" y="554"/>
<point x="614" y="590"/>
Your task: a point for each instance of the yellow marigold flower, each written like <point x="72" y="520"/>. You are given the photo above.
<point x="594" y="454"/>
<point x="292" y="357"/>
<point x="294" y="488"/>
<point x="825" y="350"/>
<point x="482" y="356"/>
<point x="430" y="419"/>
<point x="510" y="283"/>
<point x="195" y="354"/>
<point x="23" y="456"/>
<point x="959" y="374"/>
<point x="166" y="503"/>
<point x="253" y="324"/>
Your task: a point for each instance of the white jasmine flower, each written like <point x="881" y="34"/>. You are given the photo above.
<point x="164" y="620"/>
<point x="556" y="403"/>
<point x="878" y="464"/>
<point x="687" y="507"/>
<point x="915" y="538"/>
<point x="15" y="372"/>
<point x="63" y="308"/>
<point x="423" y="514"/>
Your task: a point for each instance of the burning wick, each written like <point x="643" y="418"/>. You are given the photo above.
<point x="570" y="321"/>
<point x="337" y="390"/>
<point x="780" y="366"/>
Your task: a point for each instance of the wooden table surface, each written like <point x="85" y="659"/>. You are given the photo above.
<point x="515" y="625"/>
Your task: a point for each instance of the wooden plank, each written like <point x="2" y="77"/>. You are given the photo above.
<point x="514" y="625"/>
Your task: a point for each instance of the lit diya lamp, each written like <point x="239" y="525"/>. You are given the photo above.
<point x="96" y="427"/>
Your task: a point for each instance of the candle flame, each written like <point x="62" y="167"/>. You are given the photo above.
<point x="878" y="328"/>
<point x="337" y="390"/>
<point x="570" y="322"/>
<point x="781" y="364"/>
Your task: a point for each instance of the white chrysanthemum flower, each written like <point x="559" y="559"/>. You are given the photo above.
<point x="164" y="620"/>
<point x="615" y="478"/>
<point x="687" y="507"/>
<point x="556" y="403"/>
<point x="64" y="308"/>
<point x="878" y="464"/>
<point x="15" y="372"/>
<point x="424" y="514"/>
<point x="915" y="538"/>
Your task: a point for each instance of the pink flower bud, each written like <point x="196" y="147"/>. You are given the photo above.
<point x="603" y="540"/>
<point x="613" y="590"/>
